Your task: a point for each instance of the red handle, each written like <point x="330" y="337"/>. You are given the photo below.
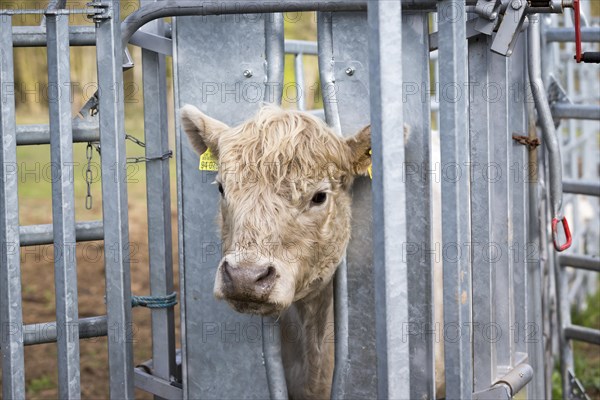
<point x="567" y="231"/>
<point x="576" y="10"/>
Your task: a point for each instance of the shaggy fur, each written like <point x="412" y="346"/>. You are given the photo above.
<point x="270" y="169"/>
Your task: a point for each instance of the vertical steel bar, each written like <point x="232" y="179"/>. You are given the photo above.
<point x="11" y="317"/>
<point x="498" y="172"/>
<point x="484" y="365"/>
<point x="517" y="186"/>
<point x="271" y="341"/>
<point x="114" y="202"/>
<point x="340" y="282"/>
<point x="389" y="204"/>
<point x="415" y="36"/>
<point x="275" y="53"/>
<point x="299" y="72"/>
<point x="535" y="314"/>
<point x="63" y="205"/>
<point x="159" y="205"/>
<point x="455" y="197"/>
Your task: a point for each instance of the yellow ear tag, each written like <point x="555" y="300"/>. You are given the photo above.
<point x="370" y="169"/>
<point x="208" y="161"/>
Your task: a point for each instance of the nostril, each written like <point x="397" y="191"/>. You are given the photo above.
<point x="226" y="272"/>
<point x="267" y="275"/>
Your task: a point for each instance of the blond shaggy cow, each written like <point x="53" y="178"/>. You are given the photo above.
<point x="284" y="177"/>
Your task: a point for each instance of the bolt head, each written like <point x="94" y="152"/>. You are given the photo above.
<point x="247" y="73"/>
<point x="350" y="71"/>
<point x="516" y="4"/>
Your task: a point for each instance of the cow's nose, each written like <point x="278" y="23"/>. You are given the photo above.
<point x="253" y="282"/>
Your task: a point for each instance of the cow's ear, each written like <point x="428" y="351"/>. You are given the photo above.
<point x="360" y="151"/>
<point x="202" y="130"/>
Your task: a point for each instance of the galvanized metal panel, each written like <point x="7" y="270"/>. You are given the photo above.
<point x="11" y="318"/>
<point x="114" y="204"/>
<point x="218" y="343"/>
<point x="63" y="206"/>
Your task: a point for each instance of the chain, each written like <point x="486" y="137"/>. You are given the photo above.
<point x="134" y="160"/>
<point x="88" y="175"/>
<point x="129" y="160"/>
<point x="526" y="141"/>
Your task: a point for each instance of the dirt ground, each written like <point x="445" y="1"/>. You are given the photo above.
<point x="39" y="302"/>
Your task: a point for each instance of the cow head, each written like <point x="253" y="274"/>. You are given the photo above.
<point x="284" y="178"/>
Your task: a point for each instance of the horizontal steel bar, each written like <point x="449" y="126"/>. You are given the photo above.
<point x="575" y="111"/>
<point x="45" y="332"/>
<point x="583" y="334"/>
<point x="34" y="235"/>
<point x="589" y="188"/>
<point x="45" y="11"/>
<point x="155" y="385"/>
<point x="580" y="261"/>
<point x="588" y="34"/>
<point x="40" y="134"/>
<point x="301" y="47"/>
<point x="152" y="41"/>
<point x="35" y="36"/>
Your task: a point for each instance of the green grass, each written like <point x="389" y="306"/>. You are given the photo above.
<point x="42" y="383"/>
<point x="586" y="356"/>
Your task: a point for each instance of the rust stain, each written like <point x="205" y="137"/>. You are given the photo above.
<point x="463" y="297"/>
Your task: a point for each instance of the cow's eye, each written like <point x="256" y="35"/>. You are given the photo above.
<point x="221" y="190"/>
<point x="319" y="198"/>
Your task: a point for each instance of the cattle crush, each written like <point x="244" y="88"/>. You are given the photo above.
<point x="517" y="118"/>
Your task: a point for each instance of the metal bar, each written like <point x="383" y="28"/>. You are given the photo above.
<point x="301" y="47"/>
<point x="114" y="203"/>
<point x="274" y="54"/>
<point x="588" y="34"/>
<point x="535" y="314"/>
<point x="591" y="263"/>
<point x="501" y="217"/>
<point x="46" y="332"/>
<point x="153" y="384"/>
<point x="583" y="334"/>
<point x="419" y="203"/>
<point x="63" y="205"/>
<point x="34" y="235"/>
<point x="545" y="118"/>
<point x="272" y="358"/>
<point x="11" y="317"/>
<point x="35" y="36"/>
<point x="575" y="111"/>
<point x="484" y="282"/>
<point x="158" y="192"/>
<point x="516" y="171"/>
<point x="455" y="197"/>
<point x="157" y="10"/>
<point x="589" y="188"/>
<point x="340" y="282"/>
<point x="152" y="41"/>
<point x="389" y="203"/>
<point x="40" y="134"/>
<point x="299" y="74"/>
